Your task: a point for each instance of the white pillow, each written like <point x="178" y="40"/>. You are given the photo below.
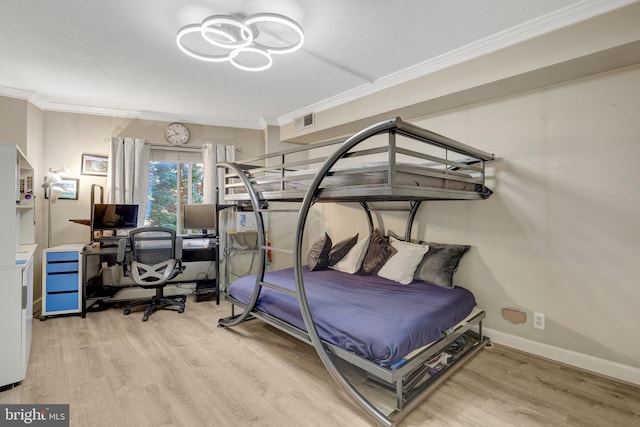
<point x="403" y="264"/>
<point x="353" y="259"/>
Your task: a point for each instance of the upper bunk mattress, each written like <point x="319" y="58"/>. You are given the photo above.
<point x="359" y="176"/>
<point x="373" y="317"/>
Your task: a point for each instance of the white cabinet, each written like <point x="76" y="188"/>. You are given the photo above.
<point x="17" y="247"/>
<point x="16" y="317"/>
<point x="61" y="280"/>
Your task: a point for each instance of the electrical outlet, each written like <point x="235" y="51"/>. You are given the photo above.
<point x="538" y="320"/>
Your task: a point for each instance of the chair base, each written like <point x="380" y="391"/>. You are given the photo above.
<point x="174" y="302"/>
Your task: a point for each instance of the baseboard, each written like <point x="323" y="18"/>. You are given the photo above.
<point x="604" y="367"/>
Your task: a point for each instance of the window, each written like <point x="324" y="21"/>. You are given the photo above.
<point x="175" y="178"/>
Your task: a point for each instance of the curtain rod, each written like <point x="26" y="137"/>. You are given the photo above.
<point x="174" y="148"/>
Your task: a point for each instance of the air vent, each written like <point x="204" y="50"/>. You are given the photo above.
<point x="305" y="121"/>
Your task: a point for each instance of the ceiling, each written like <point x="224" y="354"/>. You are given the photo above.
<point x="119" y="57"/>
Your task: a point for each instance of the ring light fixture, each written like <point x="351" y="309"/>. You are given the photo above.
<point x="234" y="37"/>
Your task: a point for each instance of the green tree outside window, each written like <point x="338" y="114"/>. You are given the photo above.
<point x="172" y="184"/>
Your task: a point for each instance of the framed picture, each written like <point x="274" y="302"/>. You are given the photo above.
<point x="70" y="187"/>
<point x="94" y="165"/>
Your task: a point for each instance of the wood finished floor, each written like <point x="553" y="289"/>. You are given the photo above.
<point x="180" y="370"/>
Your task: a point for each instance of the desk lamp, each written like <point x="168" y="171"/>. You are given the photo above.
<point x="52" y="182"/>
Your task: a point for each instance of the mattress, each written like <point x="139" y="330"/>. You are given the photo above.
<point x="373" y="317"/>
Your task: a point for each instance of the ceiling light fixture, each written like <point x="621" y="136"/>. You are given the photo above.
<point x="246" y="42"/>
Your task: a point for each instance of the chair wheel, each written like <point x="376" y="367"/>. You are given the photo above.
<point x="181" y="310"/>
<point x="145" y="318"/>
<point x="127" y="311"/>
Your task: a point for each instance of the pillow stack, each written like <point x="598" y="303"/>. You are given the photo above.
<point x="389" y="257"/>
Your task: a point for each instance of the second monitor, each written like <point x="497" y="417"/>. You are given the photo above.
<point x="201" y="217"/>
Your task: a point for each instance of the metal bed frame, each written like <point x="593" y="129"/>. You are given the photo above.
<point x="408" y="381"/>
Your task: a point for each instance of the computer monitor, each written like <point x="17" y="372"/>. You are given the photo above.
<point x="113" y="217"/>
<point x="200" y="217"/>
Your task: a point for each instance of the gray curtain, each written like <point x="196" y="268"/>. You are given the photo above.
<point x="128" y="174"/>
<point x="209" y="177"/>
<point x="211" y="154"/>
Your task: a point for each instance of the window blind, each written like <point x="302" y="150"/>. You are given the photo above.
<point x="176" y="154"/>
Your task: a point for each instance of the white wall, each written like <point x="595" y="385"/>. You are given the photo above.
<point x="560" y="235"/>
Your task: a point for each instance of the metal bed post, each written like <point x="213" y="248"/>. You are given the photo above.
<point x="367" y="210"/>
<point x="391" y="179"/>
<point x="282" y="160"/>
<point x="415" y="205"/>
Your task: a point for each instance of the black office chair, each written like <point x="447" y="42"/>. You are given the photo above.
<point x="156" y="257"/>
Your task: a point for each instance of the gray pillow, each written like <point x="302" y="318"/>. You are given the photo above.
<point x="439" y="263"/>
<point x="318" y="256"/>
<point x="340" y="249"/>
<point x="378" y="253"/>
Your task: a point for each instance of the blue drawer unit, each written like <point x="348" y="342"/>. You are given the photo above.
<point x="61" y="280"/>
<point x="62" y="256"/>
<point x="57" y="303"/>
<point x="62" y="267"/>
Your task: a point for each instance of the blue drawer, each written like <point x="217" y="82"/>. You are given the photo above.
<point x="62" y="256"/>
<point x="62" y="282"/>
<point x="62" y="302"/>
<point x="62" y="267"/>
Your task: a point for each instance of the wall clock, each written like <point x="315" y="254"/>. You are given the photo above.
<point x="177" y="133"/>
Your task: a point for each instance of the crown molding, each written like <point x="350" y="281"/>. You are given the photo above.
<point x="45" y="105"/>
<point x="149" y="115"/>
<point x="16" y="93"/>
<point x="534" y="28"/>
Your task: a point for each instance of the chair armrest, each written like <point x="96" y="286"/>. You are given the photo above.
<point x="122" y="249"/>
<point x="120" y="257"/>
<point x="178" y="248"/>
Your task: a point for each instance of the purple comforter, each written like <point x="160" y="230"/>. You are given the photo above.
<point x="373" y="317"/>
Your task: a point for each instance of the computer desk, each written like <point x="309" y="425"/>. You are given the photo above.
<point x="190" y="253"/>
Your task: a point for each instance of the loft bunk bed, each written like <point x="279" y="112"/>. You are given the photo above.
<point x="403" y="339"/>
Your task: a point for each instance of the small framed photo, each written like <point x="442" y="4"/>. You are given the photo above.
<point x="69" y="186"/>
<point x="94" y="165"/>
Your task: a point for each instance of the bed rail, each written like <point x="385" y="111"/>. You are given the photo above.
<point x="411" y="163"/>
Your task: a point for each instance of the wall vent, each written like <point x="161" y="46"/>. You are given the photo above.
<point x="305" y="121"/>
